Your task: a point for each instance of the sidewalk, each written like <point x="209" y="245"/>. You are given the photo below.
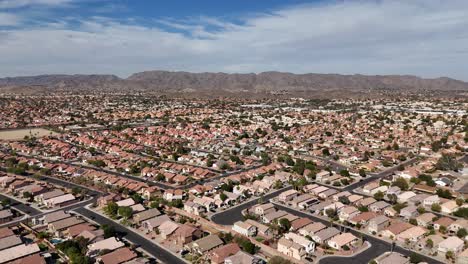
<point x="362" y="249"/>
<point x="136" y="231"/>
<point x="358" y="231"/>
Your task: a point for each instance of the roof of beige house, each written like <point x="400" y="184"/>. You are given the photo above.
<point x="61" y="199"/>
<point x="56" y="216"/>
<point x="168" y="227"/>
<point x="413" y="232"/>
<point x="343" y="239"/>
<point x="300" y="222"/>
<point x="301" y="240"/>
<point x="461" y="222"/>
<point x="393" y="258"/>
<point x="451" y="205"/>
<point x="365" y="216"/>
<point x="158" y="220"/>
<point x="10" y="241"/>
<point x="426" y="217"/>
<point x="367" y="201"/>
<point x="5" y="213"/>
<point x="31" y="259"/>
<point x="348" y="210"/>
<point x="207" y="243"/>
<point x="6" y="232"/>
<point x="354" y="198"/>
<point x="126" y="202"/>
<point x="136" y="208"/>
<point x="66" y="223"/>
<point x="398" y="227"/>
<point x="444" y="221"/>
<point x="436" y="239"/>
<point x="380" y="219"/>
<point x="452" y="242"/>
<point x="314" y="227"/>
<point x="18" y="252"/>
<point x="289" y="243"/>
<point x="265" y="206"/>
<point x="150" y="213"/>
<point x="51" y="194"/>
<point x="275" y="215"/>
<point x="260" y="227"/>
<point x="110" y="243"/>
<point x="240" y="257"/>
<point x="219" y="254"/>
<point x="243" y="225"/>
<point x="288" y="192"/>
<point x="78" y="229"/>
<point x="185" y="230"/>
<point x="118" y="256"/>
<point x="327" y="233"/>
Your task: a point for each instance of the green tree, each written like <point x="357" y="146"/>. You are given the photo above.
<point x="436" y="207"/>
<point x="401" y="183"/>
<point x="111" y="209"/>
<point x="448" y="162"/>
<point x="461" y="233"/>
<point x="429" y="243"/>
<point x="223" y="196"/>
<point x="362" y="172"/>
<point x="125" y="211"/>
<point x="379" y="195"/>
<point x="109" y="231"/>
<point x="278" y="260"/>
<point x="450" y="255"/>
<point x="415" y="258"/>
<point x="345" y="173"/>
<point x="284" y="224"/>
<point x="462" y="212"/>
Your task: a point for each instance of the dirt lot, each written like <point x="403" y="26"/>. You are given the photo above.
<point x="19" y="134"/>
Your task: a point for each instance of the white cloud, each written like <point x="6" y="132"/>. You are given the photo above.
<point x="7" y="19"/>
<point x="22" y="3"/>
<point x="424" y="37"/>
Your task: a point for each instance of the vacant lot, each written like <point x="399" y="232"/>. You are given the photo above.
<point x="19" y="134"/>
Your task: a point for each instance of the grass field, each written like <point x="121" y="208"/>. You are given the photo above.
<point x="19" y="134"/>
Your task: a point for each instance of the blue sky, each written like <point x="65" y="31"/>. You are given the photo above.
<point x="428" y="38"/>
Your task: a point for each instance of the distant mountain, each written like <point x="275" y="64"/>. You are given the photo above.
<point x="224" y="82"/>
<point x="58" y="80"/>
<point x="271" y="81"/>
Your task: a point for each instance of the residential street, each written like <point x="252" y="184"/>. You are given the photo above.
<point x="377" y="248"/>
<point x="161" y="254"/>
<point x="24" y="208"/>
<point x="232" y="215"/>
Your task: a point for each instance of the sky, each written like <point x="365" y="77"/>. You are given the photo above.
<point x="428" y="38"/>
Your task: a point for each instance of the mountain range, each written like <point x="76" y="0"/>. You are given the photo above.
<point x="166" y="81"/>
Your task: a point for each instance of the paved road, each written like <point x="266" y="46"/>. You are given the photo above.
<point x="336" y="166"/>
<point x="232" y="215"/>
<point x="161" y="254"/>
<point x="375" y="176"/>
<point x="378" y="246"/>
<point x="21" y="206"/>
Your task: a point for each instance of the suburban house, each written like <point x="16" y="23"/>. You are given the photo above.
<point x="291" y="248"/>
<point x="205" y="244"/>
<point x="308" y="245"/>
<point x="287" y="195"/>
<point x="452" y="243"/>
<point x="324" y="235"/>
<point x="244" y="228"/>
<point x="378" y="224"/>
<point x="339" y="241"/>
